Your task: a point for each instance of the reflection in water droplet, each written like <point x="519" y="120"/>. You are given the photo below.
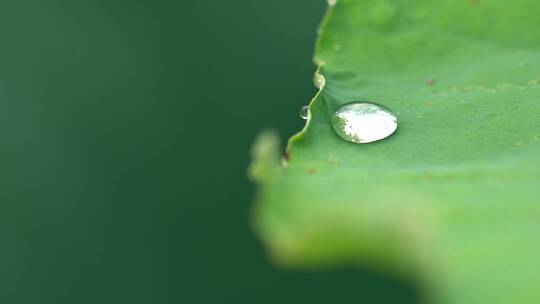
<point x="332" y="2"/>
<point x="363" y="122"/>
<point x="318" y="80"/>
<point x="305" y="113"/>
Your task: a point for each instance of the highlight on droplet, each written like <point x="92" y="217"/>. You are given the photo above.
<point x="364" y="122"/>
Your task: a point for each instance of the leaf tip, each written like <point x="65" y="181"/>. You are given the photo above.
<point x="265" y="155"/>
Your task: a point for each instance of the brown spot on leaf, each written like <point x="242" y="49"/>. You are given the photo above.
<point x="431" y="82"/>
<point x="311" y="171"/>
<point x="286" y="156"/>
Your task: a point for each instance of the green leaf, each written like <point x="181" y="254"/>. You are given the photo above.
<point x="452" y="200"/>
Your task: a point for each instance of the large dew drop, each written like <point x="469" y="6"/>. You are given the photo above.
<point x="363" y="122"/>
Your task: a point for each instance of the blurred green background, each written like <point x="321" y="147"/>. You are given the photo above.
<point x="125" y="129"/>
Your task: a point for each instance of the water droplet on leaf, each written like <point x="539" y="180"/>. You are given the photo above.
<point x="332" y="2"/>
<point x="364" y="122"/>
<point x="305" y="112"/>
<point x="318" y="80"/>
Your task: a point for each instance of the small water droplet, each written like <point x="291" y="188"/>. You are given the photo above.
<point x="305" y="113"/>
<point x="318" y="80"/>
<point x="364" y="122"/>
